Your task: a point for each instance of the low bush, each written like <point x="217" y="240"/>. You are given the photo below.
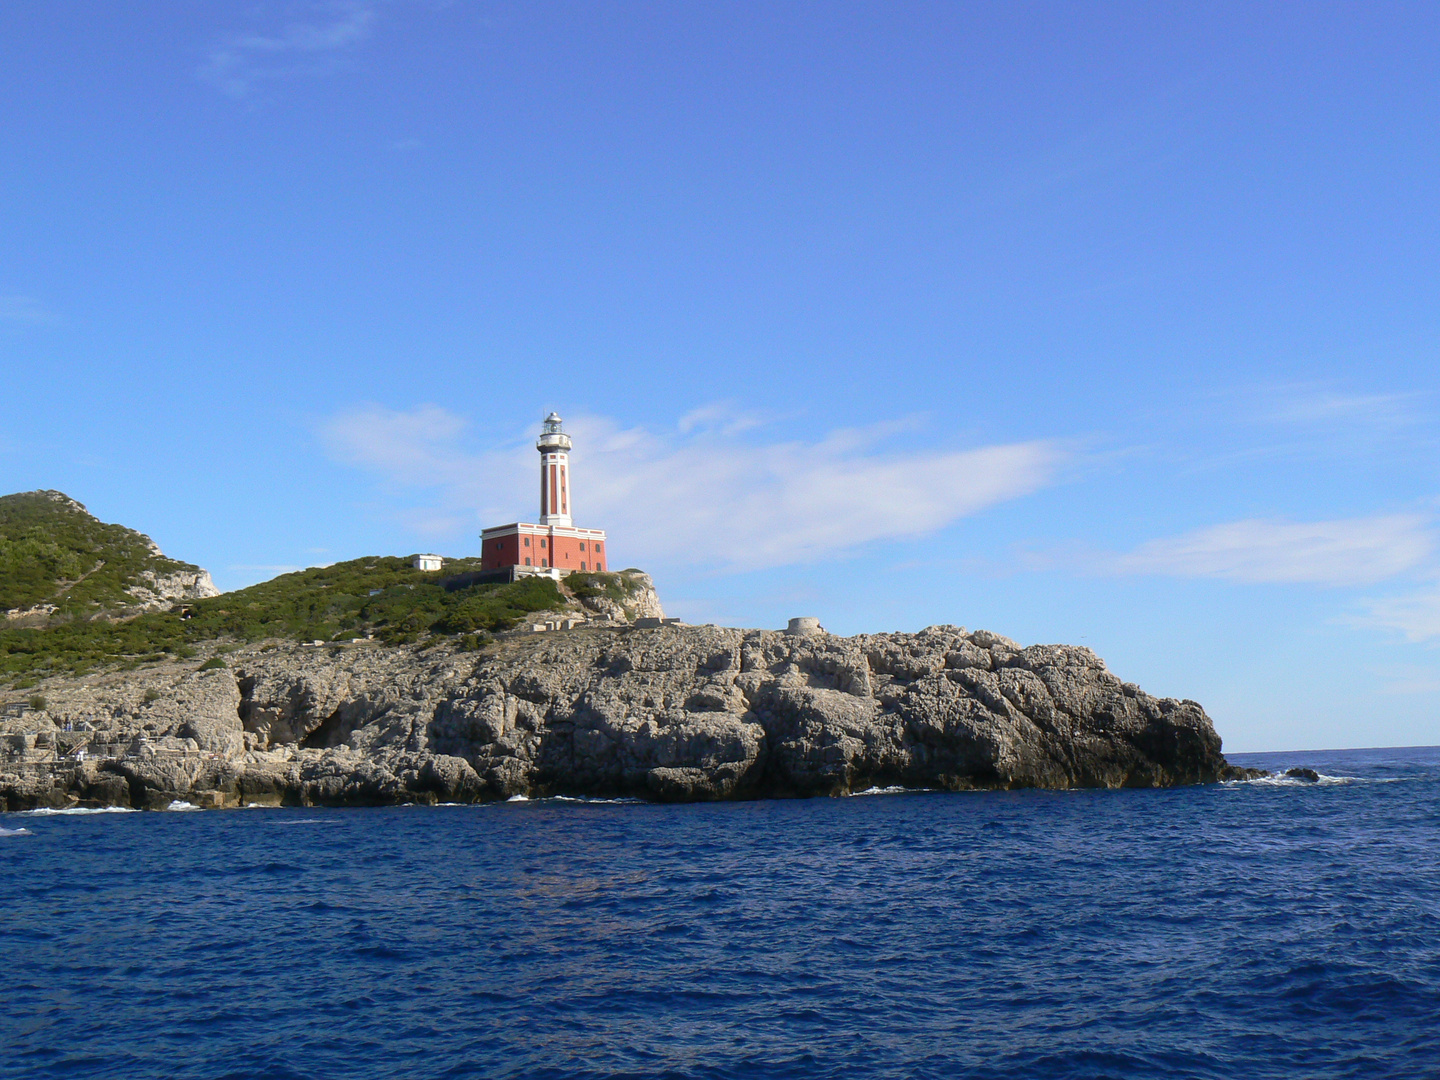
<point x="381" y="597"/>
<point x="613" y="586"/>
<point x="498" y="607"/>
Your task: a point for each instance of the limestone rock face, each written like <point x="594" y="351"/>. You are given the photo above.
<point x="641" y="602"/>
<point x="160" y="590"/>
<point x="645" y="601"/>
<point x="666" y="713"/>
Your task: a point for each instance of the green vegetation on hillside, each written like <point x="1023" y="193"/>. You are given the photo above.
<point x="54" y="552"/>
<point x="380" y="596"/>
<point x="617" y="588"/>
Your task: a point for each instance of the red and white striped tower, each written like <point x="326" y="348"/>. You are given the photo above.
<point x="554" y="447"/>
<point x="553" y="547"/>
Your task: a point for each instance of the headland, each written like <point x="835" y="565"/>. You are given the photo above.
<point x="668" y="712"/>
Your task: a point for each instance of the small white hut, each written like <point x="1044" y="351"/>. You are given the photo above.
<point x="427" y="562"/>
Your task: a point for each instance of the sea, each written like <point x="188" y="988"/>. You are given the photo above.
<point x="1274" y="928"/>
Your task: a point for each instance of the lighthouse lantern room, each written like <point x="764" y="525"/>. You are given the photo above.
<point x="553" y="546"/>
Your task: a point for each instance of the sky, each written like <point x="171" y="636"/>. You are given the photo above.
<point x="1111" y="323"/>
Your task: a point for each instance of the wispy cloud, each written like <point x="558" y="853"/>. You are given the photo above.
<point x="310" y="45"/>
<point x="1416" y="615"/>
<point x="1348" y="551"/>
<point x="1300" y="421"/>
<point x="724" y="417"/>
<point x="1305" y="405"/>
<point x="23" y="309"/>
<point x="699" y="494"/>
<point x="417" y="448"/>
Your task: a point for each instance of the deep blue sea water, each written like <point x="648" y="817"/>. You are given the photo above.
<point x="1244" y="930"/>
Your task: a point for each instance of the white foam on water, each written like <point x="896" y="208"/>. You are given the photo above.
<point x="518" y="798"/>
<point x="584" y="799"/>
<point x="181" y="804"/>
<point x="47" y="811"/>
<point x="1281" y="780"/>
<point x="15" y="832"/>
<point x="893" y="789"/>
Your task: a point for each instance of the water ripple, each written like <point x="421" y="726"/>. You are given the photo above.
<point x="1257" y="930"/>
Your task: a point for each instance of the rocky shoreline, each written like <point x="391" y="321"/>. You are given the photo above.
<point x="667" y="713"/>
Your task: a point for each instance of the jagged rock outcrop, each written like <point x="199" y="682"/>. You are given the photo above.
<point x="640" y="600"/>
<point x="667" y="713"/>
<point x="160" y="590"/>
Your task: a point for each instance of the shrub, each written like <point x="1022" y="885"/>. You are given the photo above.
<point x="324" y="603"/>
<point x="213" y="664"/>
<point x="152" y="695"/>
<point x="38" y="702"/>
<point x="491" y="608"/>
<point x="613" y="586"/>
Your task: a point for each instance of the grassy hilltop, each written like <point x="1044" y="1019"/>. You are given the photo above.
<point x="97" y="625"/>
<point x="53" y="552"/>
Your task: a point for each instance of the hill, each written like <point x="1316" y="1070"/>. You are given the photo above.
<point x="58" y="562"/>
<point x="85" y="595"/>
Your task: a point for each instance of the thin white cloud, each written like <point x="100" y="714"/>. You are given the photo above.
<point x="416" y="447"/>
<point x="1306" y="405"/>
<point x="1350" y="551"/>
<point x="1416" y="615"/>
<point x="723" y="416"/>
<point x="308" y="46"/>
<point x="700" y="495"/>
<point x="22" y="309"/>
<point x="1305" y="421"/>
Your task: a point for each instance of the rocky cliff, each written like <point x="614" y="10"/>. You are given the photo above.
<point x="666" y="713"/>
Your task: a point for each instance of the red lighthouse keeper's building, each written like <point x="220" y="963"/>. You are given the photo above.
<point x="554" y="547"/>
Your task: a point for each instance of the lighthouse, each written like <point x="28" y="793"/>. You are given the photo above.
<point x="554" y="446"/>
<point x="551" y="546"/>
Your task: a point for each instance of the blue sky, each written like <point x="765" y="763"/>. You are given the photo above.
<point x="1112" y="324"/>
